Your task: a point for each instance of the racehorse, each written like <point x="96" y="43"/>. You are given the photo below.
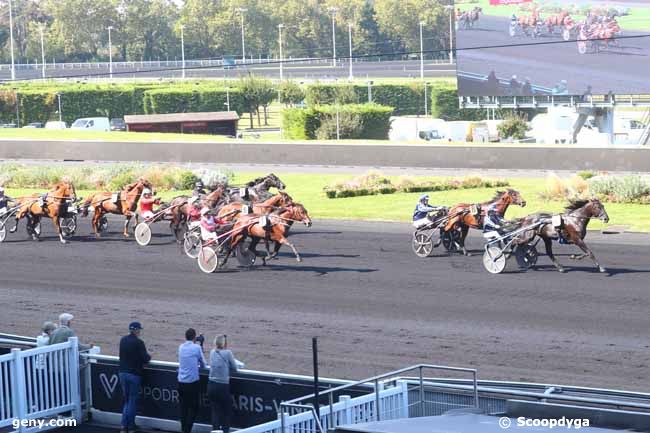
<point x="277" y="228"/>
<point x="463" y="215"/>
<point x="573" y="228"/>
<point x="257" y="189"/>
<point x="231" y="211"/>
<point x="179" y="208"/>
<point x="560" y="20"/>
<point x="126" y="204"/>
<point x="49" y="205"/>
<point x="530" y="22"/>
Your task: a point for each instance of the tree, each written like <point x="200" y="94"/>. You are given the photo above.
<point x="147" y="29"/>
<point x="250" y="88"/>
<point x="291" y="93"/>
<point x="267" y="94"/>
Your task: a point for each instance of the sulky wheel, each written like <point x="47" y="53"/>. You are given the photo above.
<point x="68" y="225"/>
<point x="566" y="35"/>
<point x="208" y="260"/>
<point x="494" y="260"/>
<point x="3" y="231"/>
<point x="526" y="256"/>
<point x="450" y="239"/>
<point x="422" y="245"/>
<point x="143" y="234"/>
<point x="192" y="244"/>
<point x="245" y="257"/>
<point x="102" y="226"/>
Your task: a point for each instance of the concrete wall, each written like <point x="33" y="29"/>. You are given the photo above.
<point x="474" y="157"/>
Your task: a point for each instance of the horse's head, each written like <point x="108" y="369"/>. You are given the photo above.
<point x="514" y="197"/>
<point x="64" y="189"/>
<point x="299" y="213"/>
<point x="273" y="181"/>
<point x="595" y="209"/>
<point x="285" y="199"/>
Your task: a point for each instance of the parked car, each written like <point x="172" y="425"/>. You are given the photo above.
<point x="118" y="124"/>
<point x="55" y="124"/>
<point x="92" y="124"/>
<point x="34" y="125"/>
<point x="8" y="125"/>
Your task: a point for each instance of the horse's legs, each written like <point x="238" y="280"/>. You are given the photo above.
<point x="548" y="244"/>
<point x="20" y="214"/>
<point x="283" y="241"/>
<point x="57" y="227"/>
<point x="463" y="235"/>
<point x="581" y="244"/>
<point x="127" y="221"/>
<point x="234" y="241"/>
<point x="95" y="222"/>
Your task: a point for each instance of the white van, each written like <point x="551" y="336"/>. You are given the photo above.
<point x="55" y="124"/>
<point x="92" y="124"/>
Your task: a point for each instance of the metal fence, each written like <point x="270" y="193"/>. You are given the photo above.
<point x="40" y="383"/>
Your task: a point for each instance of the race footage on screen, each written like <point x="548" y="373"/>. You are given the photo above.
<point x="526" y="48"/>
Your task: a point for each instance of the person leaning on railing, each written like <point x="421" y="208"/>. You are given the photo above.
<point x="222" y="365"/>
<point x="65" y="331"/>
<point x="133" y="357"/>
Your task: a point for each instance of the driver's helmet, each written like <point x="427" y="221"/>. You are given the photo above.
<point x="146" y="191"/>
<point x="195" y="201"/>
<point x="2" y="190"/>
<point x="205" y="211"/>
<point x="199" y="184"/>
<point x="424" y="198"/>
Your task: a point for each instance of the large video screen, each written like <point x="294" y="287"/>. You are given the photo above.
<point x="578" y="47"/>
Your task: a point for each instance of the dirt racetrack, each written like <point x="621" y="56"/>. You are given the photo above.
<point x="372" y="302"/>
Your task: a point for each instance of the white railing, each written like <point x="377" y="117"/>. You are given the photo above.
<point x="40" y="383"/>
<point x="393" y="403"/>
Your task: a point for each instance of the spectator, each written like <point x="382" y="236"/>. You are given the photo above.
<point x="64" y="331"/>
<point x="133" y="357"/>
<point x="190" y="359"/>
<point x="514" y="85"/>
<point x="586" y="97"/>
<point x="527" y="89"/>
<point x="44" y="340"/>
<point x="222" y="365"/>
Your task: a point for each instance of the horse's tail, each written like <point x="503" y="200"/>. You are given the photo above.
<point x="86" y="204"/>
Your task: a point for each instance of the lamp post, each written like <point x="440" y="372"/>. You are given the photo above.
<point x="370" y="91"/>
<point x="58" y="96"/>
<point x="422" y="23"/>
<point x="40" y="27"/>
<point x="228" y="98"/>
<point x="351" y="77"/>
<point x="333" y="10"/>
<point x="242" y="11"/>
<point x="280" y="27"/>
<point x="110" y="53"/>
<point x="11" y="35"/>
<point x="183" y="50"/>
<point x="450" y="8"/>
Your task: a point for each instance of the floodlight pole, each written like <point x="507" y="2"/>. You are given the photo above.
<point x="183" y="50"/>
<point x="451" y="34"/>
<point x="351" y="76"/>
<point x="110" y="53"/>
<point x="11" y="34"/>
<point x="242" y="11"/>
<point x="40" y="27"/>
<point x="421" y="51"/>
<point x="280" y="26"/>
<point x="333" y="10"/>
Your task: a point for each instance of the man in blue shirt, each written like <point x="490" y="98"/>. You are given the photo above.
<point x="421" y="212"/>
<point x="190" y="359"/>
<point x="133" y="357"/>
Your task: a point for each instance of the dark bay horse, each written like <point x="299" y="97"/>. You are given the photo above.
<point x="126" y="204"/>
<point x="179" y="208"/>
<point x="257" y="189"/>
<point x="276" y="230"/>
<point x="50" y="206"/>
<point x="463" y="217"/>
<point x="573" y="228"/>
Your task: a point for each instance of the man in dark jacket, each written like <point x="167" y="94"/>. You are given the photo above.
<point x="133" y="357"/>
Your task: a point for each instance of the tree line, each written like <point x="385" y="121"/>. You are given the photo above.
<point x="77" y="30"/>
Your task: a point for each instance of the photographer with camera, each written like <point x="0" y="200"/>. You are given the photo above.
<point x="190" y="359"/>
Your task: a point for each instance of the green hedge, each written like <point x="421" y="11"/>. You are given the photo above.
<point x="407" y="99"/>
<point x="444" y="104"/>
<point x="192" y="99"/>
<point x="303" y="124"/>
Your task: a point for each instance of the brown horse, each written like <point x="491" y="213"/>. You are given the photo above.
<point x="179" y="208"/>
<point x="277" y="228"/>
<point x="232" y="211"/>
<point x="126" y="204"/>
<point x="573" y="228"/>
<point x="556" y="21"/>
<point x="464" y="217"/>
<point x="51" y="205"/>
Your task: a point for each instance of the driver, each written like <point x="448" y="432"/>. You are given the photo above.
<point x="493" y="221"/>
<point x="421" y="212"/>
<point x="4" y="199"/>
<point x="199" y="189"/>
<point x="194" y="214"/>
<point x="209" y="224"/>
<point x="146" y="204"/>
